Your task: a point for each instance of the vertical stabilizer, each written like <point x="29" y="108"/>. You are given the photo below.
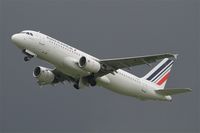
<point x="160" y="73"/>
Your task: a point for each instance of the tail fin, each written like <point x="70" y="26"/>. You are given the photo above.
<point x="160" y="73"/>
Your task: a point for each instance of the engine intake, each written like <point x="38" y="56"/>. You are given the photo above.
<point x="44" y="75"/>
<point x="37" y="71"/>
<point x="82" y="61"/>
<point x="89" y="65"/>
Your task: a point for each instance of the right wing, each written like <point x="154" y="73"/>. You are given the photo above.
<point x="118" y="63"/>
<point x="111" y="65"/>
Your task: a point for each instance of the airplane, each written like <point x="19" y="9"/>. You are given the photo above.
<point x="84" y="70"/>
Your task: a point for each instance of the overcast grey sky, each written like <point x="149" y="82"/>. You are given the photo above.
<point x="105" y="29"/>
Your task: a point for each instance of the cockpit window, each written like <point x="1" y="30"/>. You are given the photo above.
<point x="28" y="33"/>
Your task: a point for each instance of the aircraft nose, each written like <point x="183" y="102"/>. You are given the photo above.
<point x="14" y="38"/>
<point x="17" y="39"/>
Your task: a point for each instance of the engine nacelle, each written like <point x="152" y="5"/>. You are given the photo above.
<point x="89" y="65"/>
<point x="44" y="75"/>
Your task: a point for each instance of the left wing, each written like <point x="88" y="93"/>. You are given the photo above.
<point x="78" y="83"/>
<point x="110" y="65"/>
<point x="60" y="77"/>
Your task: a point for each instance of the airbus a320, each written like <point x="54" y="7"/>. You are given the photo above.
<point x="84" y="70"/>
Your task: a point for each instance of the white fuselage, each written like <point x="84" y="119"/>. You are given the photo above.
<point x="63" y="57"/>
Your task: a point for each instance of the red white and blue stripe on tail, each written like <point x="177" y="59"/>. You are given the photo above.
<point x="160" y="73"/>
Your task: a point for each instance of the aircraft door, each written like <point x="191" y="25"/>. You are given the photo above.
<point x="42" y="44"/>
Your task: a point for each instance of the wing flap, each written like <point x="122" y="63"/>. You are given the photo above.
<point x="173" y="91"/>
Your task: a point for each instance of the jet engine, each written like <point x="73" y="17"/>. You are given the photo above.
<point x="44" y="75"/>
<point x="89" y="65"/>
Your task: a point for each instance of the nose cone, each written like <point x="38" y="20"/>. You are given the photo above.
<point x="14" y="38"/>
<point x="18" y="40"/>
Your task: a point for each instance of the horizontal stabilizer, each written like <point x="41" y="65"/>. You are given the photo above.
<point x="173" y="91"/>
